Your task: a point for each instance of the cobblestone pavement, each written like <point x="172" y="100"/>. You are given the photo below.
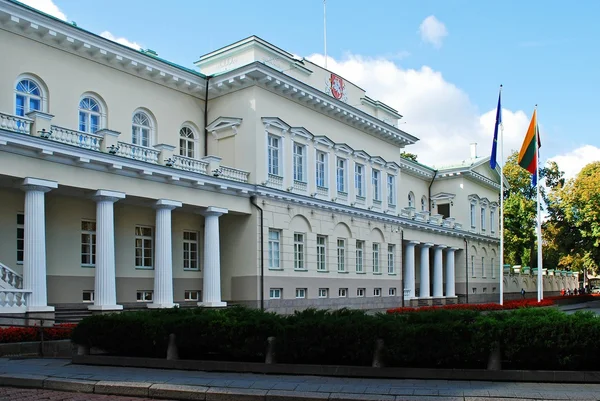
<point x="324" y="387"/>
<point x="21" y="394"/>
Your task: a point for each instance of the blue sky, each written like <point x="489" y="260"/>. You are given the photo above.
<point x="542" y="52"/>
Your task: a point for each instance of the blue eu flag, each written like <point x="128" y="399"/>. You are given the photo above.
<point x="498" y="122"/>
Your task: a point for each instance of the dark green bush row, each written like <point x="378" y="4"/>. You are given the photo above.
<point x="528" y="338"/>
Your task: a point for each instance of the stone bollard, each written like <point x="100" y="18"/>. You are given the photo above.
<point x="270" y="356"/>
<point x="378" y="354"/>
<point x="83" y="350"/>
<point x="172" y="352"/>
<point x="495" y="358"/>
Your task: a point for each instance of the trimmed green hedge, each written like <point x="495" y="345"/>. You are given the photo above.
<point x="528" y="338"/>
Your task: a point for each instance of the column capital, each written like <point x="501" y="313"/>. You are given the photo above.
<point x="452" y="249"/>
<point x="426" y="245"/>
<point x="441" y="246"/>
<point x="214" y="211"/>
<point x="37" y="184"/>
<point x="412" y="243"/>
<point x="167" y="204"/>
<point x="106" y="195"/>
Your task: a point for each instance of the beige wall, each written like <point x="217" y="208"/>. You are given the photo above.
<point x="67" y="77"/>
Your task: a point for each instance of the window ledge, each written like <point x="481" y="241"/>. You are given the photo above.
<point x="377" y="273"/>
<point x="343" y="272"/>
<point x="144" y="268"/>
<point x="88" y="266"/>
<point x="187" y="269"/>
<point x="20" y="263"/>
<point x="322" y="271"/>
<point x="300" y="270"/>
<point x="275" y="269"/>
<point x="391" y="274"/>
<point x="361" y="272"/>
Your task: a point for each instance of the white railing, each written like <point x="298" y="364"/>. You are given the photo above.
<point x="406" y="293"/>
<point x="342" y="196"/>
<point x="234" y="174"/>
<point x="138" y="152"/>
<point x="448" y="222"/>
<point x="189" y="164"/>
<point x="15" y="123"/>
<point x="76" y="138"/>
<point x="11" y="277"/>
<point x="300" y="186"/>
<point x="275" y="181"/>
<point x="458" y="226"/>
<point x="422" y="216"/>
<point x="436" y="219"/>
<point x="322" y="191"/>
<point x="13" y="300"/>
<point x="407" y="212"/>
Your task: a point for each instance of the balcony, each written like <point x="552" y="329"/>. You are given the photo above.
<point x="106" y="141"/>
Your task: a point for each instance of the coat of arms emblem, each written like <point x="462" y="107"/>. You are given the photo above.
<point x="337" y="86"/>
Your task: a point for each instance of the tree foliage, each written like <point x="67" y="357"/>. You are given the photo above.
<point x="409" y="156"/>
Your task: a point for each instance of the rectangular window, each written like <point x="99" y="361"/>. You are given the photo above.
<point x="376" y="292"/>
<point x="299" y="152"/>
<point x="321" y="169"/>
<point x="190" y="250"/>
<point x="143" y="247"/>
<point x="360" y="292"/>
<point x="323" y="292"/>
<point x="391" y="259"/>
<point x="391" y="189"/>
<point x="145" y="296"/>
<point x="472" y="265"/>
<point x="300" y="292"/>
<point x="482" y="219"/>
<point x="343" y="292"/>
<point x="299" y="251"/>
<point x="88" y="296"/>
<point x="376" y="174"/>
<point x="274" y="254"/>
<point x="341" y="175"/>
<point x="275" y="293"/>
<point x="444" y="210"/>
<point x="376" y="258"/>
<point x="88" y="243"/>
<point x="492" y="220"/>
<point x="191" y="295"/>
<point x="360" y="259"/>
<point x="274" y="144"/>
<point x="359" y="172"/>
<point x="493" y="268"/>
<point x="321" y="253"/>
<point x="483" y="267"/>
<point x="472" y="215"/>
<point x="20" y="237"/>
<point x="341" y="254"/>
<point x="392" y="292"/>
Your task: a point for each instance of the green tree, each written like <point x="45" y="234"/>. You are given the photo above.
<point x="409" y="156"/>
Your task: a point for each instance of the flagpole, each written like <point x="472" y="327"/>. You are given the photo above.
<point x="501" y="210"/>
<point x="325" y="29"/>
<point x="539" y="215"/>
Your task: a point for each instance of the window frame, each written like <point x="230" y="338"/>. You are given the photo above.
<point x="377" y="292"/>
<point x="92" y="236"/>
<point x="359" y="180"/>
<point x="42" y="97"/>
<point x="143" y="247"/>
<point x="145" y="294"/>
<point x="411" y="199"/>
<point x="321" y="169"/>
<point x="391" y="257"/>
<point x="341" y="171"/>
<point x="92" y="296"/>
<point x="302" y="291"/>
<point x="322" y="253"/>
<point x="275" y="293"/>
<point x="360" y="292"/>
<point x="376" y="258"/>
<point x="187" y="140"/>
<point x="483" y="220"/>
<point x="341" y="254"/>
<point x="299" y="161"/>
<point x="271" y="250"/>
<point x="274" y="153"/>
<point x="342" y="293"/>
<point x="391" y="188"/>
<point x="187" y="295"/>
<point x="20" y="238"/>
<point x="191" y="242"/>
<point x="89" y="113"/>
<point x="299" y="251"/>
<point x="323" y="293"/>
<point x="376" y="184"/>
<point x="360" y="249"/>
<point x="137" y="137"/>
<point x="392" y="292"/>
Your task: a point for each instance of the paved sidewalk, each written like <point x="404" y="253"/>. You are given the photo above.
<point x="26" y="394"/>
<point x="60" y="374"/>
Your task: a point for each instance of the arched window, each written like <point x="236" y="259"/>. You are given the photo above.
<point x="424" y="204"/>
<point x="141" y="129"/>
<point x="90" y="115"/>
<point x="186" y="142"/>
<point x="29" y="97"/>
<point x="411" y="199"/>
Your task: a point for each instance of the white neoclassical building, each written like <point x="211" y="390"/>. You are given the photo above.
<point x="256" y="178"/>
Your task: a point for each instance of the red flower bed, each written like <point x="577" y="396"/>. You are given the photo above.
<point x="516" y="304"/>
<point x="25" y="334"/>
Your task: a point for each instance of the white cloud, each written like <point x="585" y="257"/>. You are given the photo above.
<point x="440" y="114"/>
<point x="46" y="6"/>
<point x="123" y="41"/>
<point x="573" y="161"/>
<point x="433" y="31"/>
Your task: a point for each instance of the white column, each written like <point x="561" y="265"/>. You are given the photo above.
<point x="409" y="276"/>
<point x="105" y="286"/>
<point x="211" y="288"/>
<point x="163" y="260"/>
<point x="425" y="284"/>
<point x="438" y="272"/>
<point x="34" y="256"/>
<point x="450" y="277"/>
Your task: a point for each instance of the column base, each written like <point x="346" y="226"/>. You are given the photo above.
<point x="103" y="308"/>
<point x="162" y="306"/>
<point x="40" y="309"/>
<point x="212" y="304"/>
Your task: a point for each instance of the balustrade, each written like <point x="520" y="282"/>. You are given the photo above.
<point x="138" y="152"/>
<point x="15" y="123"/>
<point x="10" y="277"/>
<point x="76" y="138"/>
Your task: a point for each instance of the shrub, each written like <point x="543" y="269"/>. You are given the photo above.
<point x="25" y="334"/>
<point x="529" y="338"/>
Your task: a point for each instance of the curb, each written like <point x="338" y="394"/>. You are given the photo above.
<point x="201" y="393"/>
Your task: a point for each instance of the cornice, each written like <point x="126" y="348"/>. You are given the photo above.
<point x="415" y="169"/>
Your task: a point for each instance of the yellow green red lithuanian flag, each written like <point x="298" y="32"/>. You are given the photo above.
<point x="528" y="155"/>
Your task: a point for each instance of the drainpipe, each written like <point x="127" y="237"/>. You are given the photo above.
<point x="467" y="269"/>
<point x="262" y="255"/>
<point x="429" y="189"/>
<point x="205" y="117"/>
<point x="402" y="264"/>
